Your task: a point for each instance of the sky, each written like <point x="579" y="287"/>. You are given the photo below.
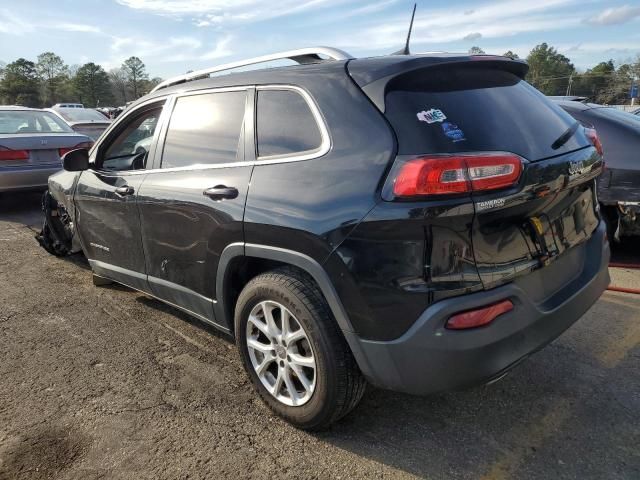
<point x="174" y="36"/>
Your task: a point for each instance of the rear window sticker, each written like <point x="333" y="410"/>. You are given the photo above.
<point x="431" y="116"/>
<point x="452" y="131"/>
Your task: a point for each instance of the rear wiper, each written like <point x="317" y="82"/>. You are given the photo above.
<point x="564" y="138"/>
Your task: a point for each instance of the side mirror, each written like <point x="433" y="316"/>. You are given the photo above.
<point x="76" y="160"/>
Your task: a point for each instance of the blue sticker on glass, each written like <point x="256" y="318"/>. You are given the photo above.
<point x="452" y="131"/>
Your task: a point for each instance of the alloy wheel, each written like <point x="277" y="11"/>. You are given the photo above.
<point x="280" y="353"/>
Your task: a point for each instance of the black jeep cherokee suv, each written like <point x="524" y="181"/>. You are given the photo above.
<point x="418" y="222"/>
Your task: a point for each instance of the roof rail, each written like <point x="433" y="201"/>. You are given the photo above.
<point x="302" y="56"/>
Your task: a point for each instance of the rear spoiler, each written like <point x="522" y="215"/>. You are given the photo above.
<point x="374" y="75"/>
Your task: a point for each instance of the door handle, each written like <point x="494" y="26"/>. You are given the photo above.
<point x="125" y="190"/>
<point x="221" y="192"/>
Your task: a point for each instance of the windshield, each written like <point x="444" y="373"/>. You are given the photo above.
<point x="27" y="121"/>
<point x="81" y="115"/>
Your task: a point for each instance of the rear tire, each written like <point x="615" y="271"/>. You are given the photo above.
<point x="335" y="381"/>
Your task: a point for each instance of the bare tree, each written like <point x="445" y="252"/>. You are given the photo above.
<point x="136" y="74"/>
<point x="119" y="83"/>
<point x="52" y="72"/>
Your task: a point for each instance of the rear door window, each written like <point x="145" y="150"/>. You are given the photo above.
<point x="204" y="129"/>
<point x="468" y="109"/>
<point x="285" y="124"/>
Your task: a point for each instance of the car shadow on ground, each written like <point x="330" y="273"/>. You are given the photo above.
<point x="548" y="419"/>
<point x="22" y="207"/>
<point x="165" y="308"/>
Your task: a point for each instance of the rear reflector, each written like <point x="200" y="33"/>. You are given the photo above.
<point x="592" y="135"/>
<point x="462" y="173"/>
<point x="479" y="317"/>
<point x="8" y="154"/>
<point x="87" y="145"/>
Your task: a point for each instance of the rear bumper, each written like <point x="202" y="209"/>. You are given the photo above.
<point x="24" y="178"/>
<point x="429" y="358"/>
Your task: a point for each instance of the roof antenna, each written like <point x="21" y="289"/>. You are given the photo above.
<point x="405" y="50"/>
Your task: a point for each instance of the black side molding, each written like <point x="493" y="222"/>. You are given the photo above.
<point x="296" y="259"/>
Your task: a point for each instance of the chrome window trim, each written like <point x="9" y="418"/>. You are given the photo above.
<point x="163" y="135"/>
<point x="126" y="114"/>
<point x="325" y="145"/>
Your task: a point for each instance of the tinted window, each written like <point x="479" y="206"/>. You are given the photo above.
<point x="475" y="109"/>
<point x="81" y="114"/>
<point x="204" y="129"/>
<point x="285" y="124"/>
<point x="129" y="150"/>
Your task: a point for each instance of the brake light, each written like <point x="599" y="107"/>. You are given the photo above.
<point x="593" y="137"/>
<point x="87" y="145"/>
<point x="8" y="154"/>
<point x="479" y="317"/>
<point x="462" y="173"/>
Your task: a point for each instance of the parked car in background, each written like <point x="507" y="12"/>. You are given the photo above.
<point x="110" y="112"/>
<point x="83" y="120"/>
<point x="636" y="112"/>
<point x="68" y="105"/>
<point x="393" y="219"/>
<point x="619" y="186"/>
<point x="31" y="144"/>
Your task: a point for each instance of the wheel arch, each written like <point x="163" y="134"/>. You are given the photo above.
<point x="240" y="251"/>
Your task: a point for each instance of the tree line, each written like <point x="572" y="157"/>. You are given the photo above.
<point x="49" y="81"/>
<point x="553" y="74"/>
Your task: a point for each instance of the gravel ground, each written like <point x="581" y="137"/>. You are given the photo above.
<point x="109" y="383"/>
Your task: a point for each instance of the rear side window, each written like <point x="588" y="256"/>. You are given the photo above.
<point x="468" y="109"/>
<point x="204" y="129"/>
<point x="285" y="124"/>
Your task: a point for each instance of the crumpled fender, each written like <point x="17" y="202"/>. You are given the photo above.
<point x="56" y="236"/>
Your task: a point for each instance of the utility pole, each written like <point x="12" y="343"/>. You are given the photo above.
<point x="569" y="86"/>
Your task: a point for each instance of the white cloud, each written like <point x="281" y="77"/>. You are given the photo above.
<point x="76" y="27"/>
<point x="220" y="50"/>
<point x="473" y="36"/>
<point x="615" y="16"/>
<point x="172" y="50"/>
<point x="10" y="23"/>
<point x="488" y="20"/>
<point x="214" y="12"/>
<point x="16" y="25"/>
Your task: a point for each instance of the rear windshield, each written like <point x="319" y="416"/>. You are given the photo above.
<point x="82" y="115"/>
<point x="25" y="122"/>
<point x="467" y="109"/>
<point x="92" y="132"/>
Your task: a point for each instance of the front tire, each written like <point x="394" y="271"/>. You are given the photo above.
<point x="293" y="351"/>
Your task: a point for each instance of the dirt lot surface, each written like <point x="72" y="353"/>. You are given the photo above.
<point x="108" y="383"/>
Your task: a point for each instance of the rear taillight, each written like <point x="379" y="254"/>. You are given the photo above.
<point x="592" y="135"/>
<point x="8" y="154"/>
<point x="451" y="174"/>
<point x="87" y="145"/>
<point x="479" y="317"/>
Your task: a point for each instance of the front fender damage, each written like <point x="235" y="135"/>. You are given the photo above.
<point x="57" y="233"/>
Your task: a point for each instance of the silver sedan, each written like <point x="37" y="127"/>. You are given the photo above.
<point x="32" y="143"/>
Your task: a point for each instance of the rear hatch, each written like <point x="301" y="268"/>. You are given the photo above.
<point x="525" y="165"/>
<point x="37" y="149"/>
